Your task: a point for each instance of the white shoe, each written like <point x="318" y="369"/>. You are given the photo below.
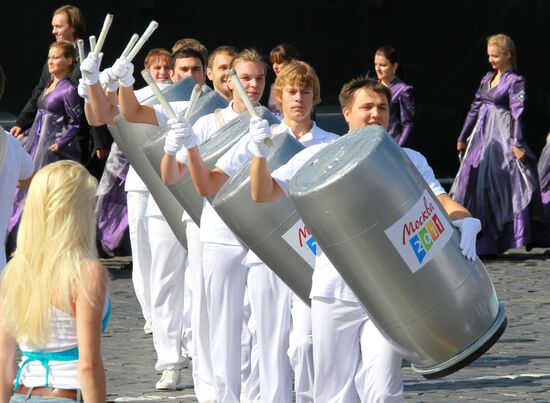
<point x="169" y="380"/>
<point x="148" y="327"/>
<point x="185" y="362"/>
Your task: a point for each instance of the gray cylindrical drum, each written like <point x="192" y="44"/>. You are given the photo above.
<point x="263" y="227"/>
<point x="130" y="137"/>
<point x="211" y="150"/>
<point x="154" y="150"/>
<point x="386" y="233"/>
<point x="179" y="91"/>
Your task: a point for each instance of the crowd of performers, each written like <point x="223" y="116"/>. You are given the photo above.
<point x="250" y="338"/>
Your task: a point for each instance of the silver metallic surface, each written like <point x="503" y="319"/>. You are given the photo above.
<point x="211" y="150"/>
<point x="154" y="151"/>
<point x="348" y="195"/>
<point x="130" y="138"/>
<point x="260" y="226"/>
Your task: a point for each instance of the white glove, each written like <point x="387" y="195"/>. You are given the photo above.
<point x="124" y="71"/>
<point x="258" y="132"/>
<point x="181" y="134"/>
<point x="468" y="227"/>
<point x="105" y="79"/>
<point x="90" y="68"/>
<point x="83" y="90"/>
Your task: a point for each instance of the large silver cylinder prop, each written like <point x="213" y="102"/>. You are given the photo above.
<point x="154" y="151"/>
<point x="386" y="233"/>
<point x="266" y="228"/>
<point x="211" y="150"/>
<point x="130" y="138"/>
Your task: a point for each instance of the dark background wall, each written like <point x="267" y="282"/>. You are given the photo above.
<point x="444" y="57"/>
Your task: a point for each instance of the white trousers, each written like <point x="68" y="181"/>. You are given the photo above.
<point x="187" y="332"/>
<point x="141" y="251"/>
<point x="300" y="350"/>
<point x="203" y="379"/>
<point x="351" y="357"/>
<point x="224" y="281"/>
<point x="284" y="338"/>
<point x="250" y="369"/>
<point x="168" y="263"/>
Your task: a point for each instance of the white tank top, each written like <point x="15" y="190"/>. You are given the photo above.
<point x="58" y="373"/>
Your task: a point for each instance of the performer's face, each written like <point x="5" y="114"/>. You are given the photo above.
<point x="277" y="67"/>
<point x="160" y="70"/>
<point x="497" y="58"/>
<point x="296" y="103"/>
<point x="58" y="64"/>
<point x="188" y="67"/>
<point x="368" y="108"/>
<point x="252" y="76"/>
<point x="61" y="28"/>
<point x="385" y="70"/>
<point x="218" y="74"/>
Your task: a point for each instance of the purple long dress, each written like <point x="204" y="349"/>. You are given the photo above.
<point x="57" y="121"/>
<point x="498" y="189"/>
<point x="401" y="111"/>
<point x="542" y="237"/>
<point x="111" y="208"/>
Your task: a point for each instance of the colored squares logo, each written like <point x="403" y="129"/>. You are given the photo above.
<point x="424" y="240"/>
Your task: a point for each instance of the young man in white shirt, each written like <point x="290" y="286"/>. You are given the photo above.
<point x="224" y="274"/>
<point x="168" y="258"/>
<point x="15" y="165"/>
<point x="352" y="359"/>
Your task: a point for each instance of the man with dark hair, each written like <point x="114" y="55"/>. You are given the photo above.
<point x="352" y="359"/>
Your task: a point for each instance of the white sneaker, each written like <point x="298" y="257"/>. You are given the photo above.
<point x="148" y="327"/>
<point x="169" y="380"/>
<point x="185" y="362"/>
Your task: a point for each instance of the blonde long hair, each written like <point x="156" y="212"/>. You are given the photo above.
<point x="56" y="238"/>
<point x="505" y="44"/>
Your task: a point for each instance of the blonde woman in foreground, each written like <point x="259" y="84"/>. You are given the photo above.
<point x="53" y="294"/>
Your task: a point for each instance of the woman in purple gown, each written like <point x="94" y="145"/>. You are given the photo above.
<point x="497" y="179"/>
<point x="542" y="238"/>
<point x="53" y="135"/>
<point x="386" y="65"/>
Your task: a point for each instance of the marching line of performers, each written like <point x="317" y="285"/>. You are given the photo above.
<point x="250" y="338"/>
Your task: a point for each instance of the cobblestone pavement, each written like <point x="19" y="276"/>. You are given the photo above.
<point x="516" y="368"/>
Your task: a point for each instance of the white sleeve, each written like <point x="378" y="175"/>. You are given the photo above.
<point x="26" y="164"/>
<point x="235" y="157"/>
<point x="284" y="174"/>
<point x="162" y="118"/>
<point x="425" y="170"/>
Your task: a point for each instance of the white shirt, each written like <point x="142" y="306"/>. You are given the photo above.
<point x="316" y="135"/>
<point x="17" y="165"/>
<point x="133" y="181"/>
<point x="327" y="282"/>
<point x="204" y="127"/>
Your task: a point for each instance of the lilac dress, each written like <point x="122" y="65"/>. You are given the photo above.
<point x="542" y="232"/>
<point x="401" y="111"/>
<point x="498" y="189"/>
<point x="111" y="208"/>
<point x="57" y="121"/>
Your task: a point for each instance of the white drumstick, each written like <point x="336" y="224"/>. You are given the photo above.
<point x="193" y="100"/>
<point x="247" y="103"/>
<point x="81" y="52"/>
<point x="103" y="34"/>
<point x="150" y="29"/>
<point x="158" y="94"/>
<point x="92" y="43"/>
<point x="130" y="45"/>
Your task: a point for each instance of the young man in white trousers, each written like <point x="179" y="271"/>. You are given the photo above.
<point x="224" y="274"/>
<point x="352" y="359"/>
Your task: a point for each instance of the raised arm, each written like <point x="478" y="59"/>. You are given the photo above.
<point x="130" y="107"/>
<point x="262" y="185"/>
